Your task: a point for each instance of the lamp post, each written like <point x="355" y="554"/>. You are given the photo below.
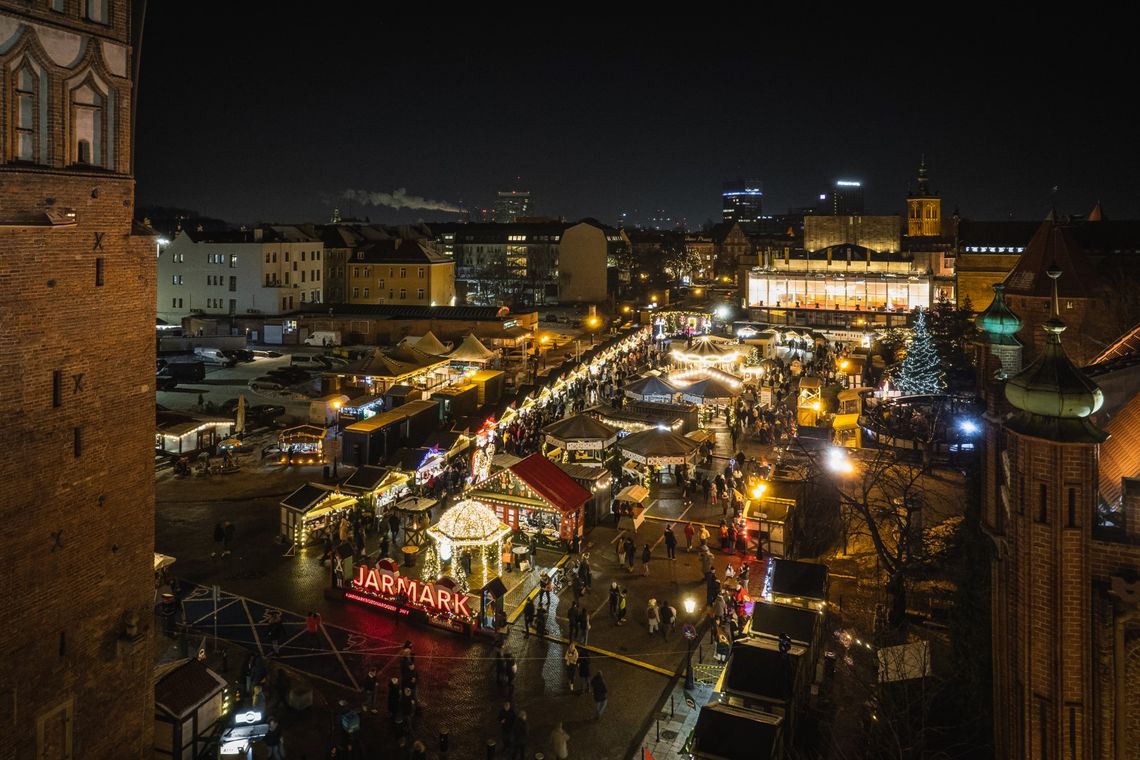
<point x="690" y="633"/>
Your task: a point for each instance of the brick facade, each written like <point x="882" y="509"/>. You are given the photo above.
<point x="77" y="509"/>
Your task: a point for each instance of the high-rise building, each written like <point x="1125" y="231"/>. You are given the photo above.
<point x="1062" y="508"/>
<point x="923" y="208"/>
<point x="844" y="199"/>
<point x="742" y="200"/>
<point x="77" y="288"/>
<point x="512" y="205"/>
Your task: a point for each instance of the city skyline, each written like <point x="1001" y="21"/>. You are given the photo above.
<point x="593" y="133"/>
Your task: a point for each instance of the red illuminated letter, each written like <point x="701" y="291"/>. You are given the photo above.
<point x="387" y="584"/>
<point x="459" y="606"/>
<point x="371" y="581"/>
<point x="360" y="572"/>
<point x="443" y="598"/>
<point x="426" y="596"/>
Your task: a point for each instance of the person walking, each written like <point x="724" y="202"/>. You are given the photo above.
<point x="585" y="573"/>
<point x="623" y="602"/>
<point x="646" y="555"/>
<point x="407" y="712"/>
<point x="670" y="542"/>
<point x="219" y="538"/>
<point x="652" y="616"/>
<point x="615" y="594"/>
<point x="371" y="682"/>
<point x="668" y="619"/>
<point x="584" y="625"/>
<point x="540" y="621"/>
<point x="572" y="619"/>
<point x="584" y="670"/>
<point x="528" y="616"/>
<point x="630" y="552"/>
<point x="393" y="697"/>
<point x="601" y="694"/>
<point x="570" y="662"/>
<point x="704" y="536"/>
<point x="506" y="724"/>
<point x="312" y="628"/>
<point x="559" y="742"/>
<point x="689" y="533"/>
<point x="274" y="742"/>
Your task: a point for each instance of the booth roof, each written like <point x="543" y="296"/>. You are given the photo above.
<point x="551" y="483"/>
<point x="580" y="427"/>
<point x="709" y="388"/>
<point x="655" y="443"/>
<point x="305" y="497"/>
<point x="367" y="478"/>
<point x="651" y="386"/>
<point x="804" y="579"/>
<point x="182" y="690"/>
<point x="723" y="731"/>
<point x="429" y="344"/>
<point x="773" y="619"/>
<point x="471" y="350"/>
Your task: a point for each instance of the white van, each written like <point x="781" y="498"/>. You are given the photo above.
<point x="323" y="338"/>
<point x="213" y="356"/>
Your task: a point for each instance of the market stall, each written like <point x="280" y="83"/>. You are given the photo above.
<point x="378" y="487"/>
<point x="579" y="439"/>
<point x="652" y="388"/>
<point x="303" y="444"/>
<point x="312" y="511"/>
<point x="809" y="403"/>
<point x="847" y="431"/>
<point x="536" y="499"/>
<point x="360" y="408"/>
<point x="189" y="701"/>
<point x="471" y="353"/>
<point x="415" y="513"/>
<point x="630" y="506"/>
<point x="658" y="449"/>
<point x="469" y="543"/>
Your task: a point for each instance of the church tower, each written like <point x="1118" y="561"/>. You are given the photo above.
<point x="923" y="208"/>
<point x="1041" y="503"/>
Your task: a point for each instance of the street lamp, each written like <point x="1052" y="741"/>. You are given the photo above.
<point x="690" y="606"/>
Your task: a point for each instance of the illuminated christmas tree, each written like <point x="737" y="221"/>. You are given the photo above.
<point x="921" y="369"/>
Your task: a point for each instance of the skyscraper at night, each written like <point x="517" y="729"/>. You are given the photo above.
<point x="844" y="199"/>
<point x="77" y="294"/>
<point x="742" y="200"/>
<point x="511" y="205"/>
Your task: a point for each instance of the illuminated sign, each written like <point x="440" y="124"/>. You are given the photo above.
<point x="383" y="582"/>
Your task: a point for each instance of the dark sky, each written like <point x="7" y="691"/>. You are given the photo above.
<point x="266" y="117"/>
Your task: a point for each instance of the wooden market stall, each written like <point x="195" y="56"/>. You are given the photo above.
<point x="809" y="402"/>
<point x="378" y="487"/>
<point x="536" y="499"/>
<point x="656" y="448"/>
<point x="847" y="431"/>
<point x="188" y="703"/>
<point x="652" y="388"/>
<point x="303" y="444"/>
<point x="579" y="439"/>
<point x="310" y="512"/>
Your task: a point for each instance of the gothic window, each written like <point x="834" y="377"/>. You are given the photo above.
<point x="1043" y="504"/>
<point x="27" y="118"/>
<point x="97" y="11"/>
<point x="89" y="133"/>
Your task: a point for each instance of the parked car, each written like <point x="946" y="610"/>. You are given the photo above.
<point x="266" y="383"/>
<point x="165" y="382"/>
<point x="289" y="375"/>
<point x="238" y="354"/>
<point x="265" y="413"/>
<point x="306" y="361"/>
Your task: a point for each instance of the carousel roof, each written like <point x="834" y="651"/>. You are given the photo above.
<point x="580" y="427"/>
<point x="709" y="389"/>
<point x="471" y="350"/>
<point x="657" y="446"/>
<point x="651" y="386"/>
<point x="469" y="522"/>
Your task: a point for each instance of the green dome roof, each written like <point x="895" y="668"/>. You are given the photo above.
<point x="998" y="321"/>
<point x="1052" y="386"/>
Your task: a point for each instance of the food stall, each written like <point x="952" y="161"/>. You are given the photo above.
<point x="847" y="431"/>
<point x="415" y="513"/>
<point x="311" y="510"/>
<point x="377" y="487"/>
<point x="656" y="449"/>
<point x="468" y="541"/>
<point x="189" y="701"/>
<point x="360" y="408"/>
<point x="303" y="444"/>
<point x="652" y="388"/>
<point x="536" y="499"/>
<point x="579" y="439"/>
<point x="629" y="503"/>
<point x="809" y="402"/>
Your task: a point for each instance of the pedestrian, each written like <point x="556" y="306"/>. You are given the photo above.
<point x="419" y="750"/>
<point x="614" y="594"/>
<point x="689" y="533"/>
<point x="584" y="670"/>
<point x="704" y="536"/>
<point x="411" y="680"/>
<point x="393" y="697"/>
<point x="274" y="742"/>
<point x="559" y="741"/>
<point x="706" y="561"/>
<point x="528" y="616"/>
<point x="506" y="723"/>
<point x="511" y="668"/>
<point x="545" y="585"/>
<point x="584" y="573"/>
<point x="570" y="662"/>
<point x="407" y="655"/>
<point x="572" y="619"/>
<point x="623" y="602"/>
<point x="601" y="694"/>
<point x="532" y="552"/>
<point x="394" y="525"/>
<point x="668" y="619"/>
<point x="219" y="538"/>
<point x="276" y="632"/>
<point x="312" y="628"/>
<point x="670" y="542"/>
<point x="619" y="549"/>
<point x="652" y="616"/>
<point x="630" y="551"/>
<point x="407" y="712"/>
<point x="540" y="621"/>
<point x="729" y="572"/>
<point x="585" y="625"/>
<point x="369" y="689"/>
<point x="645" y="557"/>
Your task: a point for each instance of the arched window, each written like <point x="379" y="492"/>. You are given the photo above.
<point x="97" y="11"/>
<point x="26" y="101"/>
<point x="89" y="128"/>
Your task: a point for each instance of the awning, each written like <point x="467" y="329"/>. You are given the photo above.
<point x="845" y="422"/>
<point x="633" y="493"/>
<point x="701" y="436"/>
<point x="162" y="560"/>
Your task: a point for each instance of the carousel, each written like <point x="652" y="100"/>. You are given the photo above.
<point x="468" y="544"/>
<point x="579" y="439"/>
<point x="706" y="351"/>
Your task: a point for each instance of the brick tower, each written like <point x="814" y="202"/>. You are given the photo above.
<point x="923" y="208"/>
<point x="77" y="335"/>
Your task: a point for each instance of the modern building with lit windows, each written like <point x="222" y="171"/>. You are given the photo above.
<point x="742" y="200"/>
<point x="512" y="205"/>
<point x="844" y="198"/>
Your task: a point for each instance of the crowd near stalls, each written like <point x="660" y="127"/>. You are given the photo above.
<point x="537" y="500"/>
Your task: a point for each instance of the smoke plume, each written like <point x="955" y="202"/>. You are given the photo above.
<point x="398" y="198"/>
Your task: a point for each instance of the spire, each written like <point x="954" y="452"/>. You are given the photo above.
<point x="1096" y="215"/>
<point x="923" y="180"/>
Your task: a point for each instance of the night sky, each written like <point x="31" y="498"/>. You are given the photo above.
<point x="272" y="118"/>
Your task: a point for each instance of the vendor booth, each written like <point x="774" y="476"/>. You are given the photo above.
<point x="851" y="400"/>
<point x="312" y="511"/>
<point x="579" y="439"/>
<point x="652" y="388"/>
<point x="726" y="732"/>
<point x="303" y="444"/>
<point x="537" y="499"/>
<point x="471" y="353"/>
<point x="657" y="448"/>
<point x="597" y="481"/>
<point x="189" y="700"/>
<point x="468" y="543"/>
<point x="846" y="431"/>
<point x="360" y="408"/>
<point x="809" y="402"/>
<point x="415" y="513"/>
<point x="378" y="487"/>
<point x="630" y="506"/>
<point x="767" y="517"/>
<point x="795" y="583"/>
<point x="177" y="433"/>
<point x="761" y="677"/>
